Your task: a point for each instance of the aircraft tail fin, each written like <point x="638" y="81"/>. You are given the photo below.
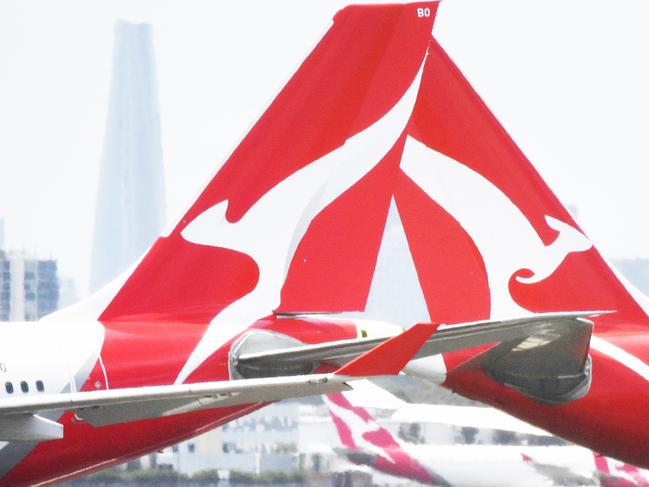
<point x="365" y="442"/>
<point x="466" y="192"/>
<point x="613" y="473"/>
<point x="347" y="418"/>
<point x="377" y="114"/>
<point x="336" y="120"/>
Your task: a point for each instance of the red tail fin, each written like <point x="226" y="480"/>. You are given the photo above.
<point x="618" y="474"/>
<point x="361" y="69"/>
<point x="509" y="238"/>
<point x="294" y="219"/>
<point x="377" y="447"/>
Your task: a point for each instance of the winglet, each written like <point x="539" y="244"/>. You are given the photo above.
<point x="391" y="356"/>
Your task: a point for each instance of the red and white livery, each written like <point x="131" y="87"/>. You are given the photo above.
<point x="240" y="302"/>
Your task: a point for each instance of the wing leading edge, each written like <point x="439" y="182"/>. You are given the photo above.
<point x="544" y="356"/>
<point x="532" y="352"/>
<point x="100" y="408"/>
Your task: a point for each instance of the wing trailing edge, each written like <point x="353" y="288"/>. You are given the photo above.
<point x="105" y="407"/>
<point x="544" y="356"/>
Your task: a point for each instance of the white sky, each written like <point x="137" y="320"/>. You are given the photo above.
<point x="569" y="80"/>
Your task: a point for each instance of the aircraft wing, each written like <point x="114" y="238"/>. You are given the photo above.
<point x="543" y="356"/>
<point x="21" y="417"/>
<point x="455" y="337"/>
<point x="104" y="407"/>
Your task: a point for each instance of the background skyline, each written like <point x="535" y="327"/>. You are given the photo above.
<point x="568" y="84"/>
<point x="131" y="203"/>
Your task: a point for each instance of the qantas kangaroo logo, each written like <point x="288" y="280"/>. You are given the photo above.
<point x="456" y="188"/>
<point x="364" y="433"/>
<point x="359" y="432"/>
<point x="613" y="473"/>
<point x="286" y="211"/>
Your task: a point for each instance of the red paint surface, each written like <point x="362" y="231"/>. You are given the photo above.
<point x="450" y="268"/>
<point x="391" y="356"/>
<point x="138" y="354"/>
<point x="450" y="118"/>
<point x="612" y="418"/>
<point x="333" y="266"/>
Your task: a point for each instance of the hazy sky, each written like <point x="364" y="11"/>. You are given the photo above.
<point x="569" y="81"/>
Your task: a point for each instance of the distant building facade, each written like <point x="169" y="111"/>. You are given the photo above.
<point x="272" y="439"/>
<point x="288" y="436"/>
<point x="130" y="210"/>
<point x="29" y="287"/>
<point x="67" y="292"/>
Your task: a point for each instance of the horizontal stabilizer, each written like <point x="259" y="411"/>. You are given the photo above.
<point x="544" y="327"/>
<point x="119" y="405"/>
<point x="549" y="365"/>
<point x="18" y="419"/>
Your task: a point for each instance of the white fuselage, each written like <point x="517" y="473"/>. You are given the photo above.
<point x="47" y="357"/>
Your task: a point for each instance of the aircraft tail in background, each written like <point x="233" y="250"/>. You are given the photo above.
<point x="367" y="443"/>
<point x="612" y="473"/>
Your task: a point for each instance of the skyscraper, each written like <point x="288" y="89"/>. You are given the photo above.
<point x="29" y="287"/>
<point x="130" y="209"/>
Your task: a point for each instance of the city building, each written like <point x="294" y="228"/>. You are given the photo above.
<point x="130" y="210"/>
<point x="289" y="436"/>
<point x="29" y="287"/>
<point x="68" y="294"/>
<point x="266" y="440"/>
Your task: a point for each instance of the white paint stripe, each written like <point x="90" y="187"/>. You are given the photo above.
<point x="622" y="356"/>
<point x="285" y="213"/>
<point x="103" y="369"/>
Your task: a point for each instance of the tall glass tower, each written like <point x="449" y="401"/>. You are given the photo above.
<point x="130" y="209"/>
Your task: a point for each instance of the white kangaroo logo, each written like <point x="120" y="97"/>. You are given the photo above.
<point x="505" y="238"/>
<point x="358" y="427"/>
<point x="270" y="231"/>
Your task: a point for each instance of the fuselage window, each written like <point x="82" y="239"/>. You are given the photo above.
<point x="9" y="387"/>
<point x="39" y="386"/>
<point x="24" y="387"/>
